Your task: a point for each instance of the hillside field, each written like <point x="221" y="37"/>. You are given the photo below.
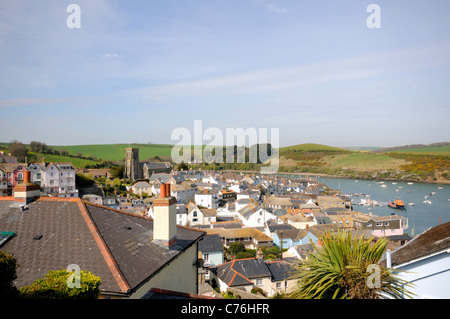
<point x="439" y="150"/>
<point x="116" y="152"/>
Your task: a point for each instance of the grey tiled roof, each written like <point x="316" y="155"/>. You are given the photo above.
<point x="133" y="249"/>
<point x="67" y="239"/>
<point x="210" y="243"/>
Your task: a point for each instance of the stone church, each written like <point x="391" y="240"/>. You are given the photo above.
<point x="142" y="170"/>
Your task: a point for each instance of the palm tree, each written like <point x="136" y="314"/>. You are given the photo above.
<point x="339" y="269"/>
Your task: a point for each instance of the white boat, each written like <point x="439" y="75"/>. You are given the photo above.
<point x="394" y="183"/>
<point x="427" y="201"/>
<point x="384" y="186"/>
<point x="411" y="204"/>
<point x="410" y="183"/>
<point x="440" y="187"/>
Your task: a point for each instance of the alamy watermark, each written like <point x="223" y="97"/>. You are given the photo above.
<point x="374" y="19"/>
<point x="74" y="279"/>
<point x="73" y="21"/>
<point x="374" y="279"/>
<point x="266" y="153"/>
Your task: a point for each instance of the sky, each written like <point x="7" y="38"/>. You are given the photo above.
<point x="135" y="71"/>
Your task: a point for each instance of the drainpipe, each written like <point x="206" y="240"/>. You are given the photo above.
<point x="388" y="259"/>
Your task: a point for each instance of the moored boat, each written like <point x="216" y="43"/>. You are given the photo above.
<point x="397" y="204"/>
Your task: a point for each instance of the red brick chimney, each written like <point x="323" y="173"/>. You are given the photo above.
<point x="26" y="192"/>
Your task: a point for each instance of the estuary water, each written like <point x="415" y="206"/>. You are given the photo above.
<point x="421" y="216"/>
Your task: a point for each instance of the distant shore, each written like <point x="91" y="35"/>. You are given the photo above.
<point x="446" y="182"/>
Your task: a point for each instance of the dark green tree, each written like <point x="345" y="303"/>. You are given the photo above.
<point x="8" y="274"/>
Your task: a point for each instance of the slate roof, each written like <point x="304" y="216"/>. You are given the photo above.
<point x="293" y="233"/>
<point x="210" y="243"/>
<point x="111" y="244"/>
<point x="157" y="165"/>
<point x="275" y="227"/>
<point x="280" y="270"/>
<point x="250" y="232"/>
<point x="241" y="272"/>
<point x="431" y="241"/>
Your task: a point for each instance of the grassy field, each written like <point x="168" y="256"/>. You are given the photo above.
<point x="363" y="162"/>
<point x="116" y="152"/>
<point x="309" y="157"/>
<point x="440" y="150"/>
<point x="310" y="147"/>
<point x="51" y="158"/>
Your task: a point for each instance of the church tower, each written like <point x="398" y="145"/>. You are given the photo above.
<point x="132" y="163"/>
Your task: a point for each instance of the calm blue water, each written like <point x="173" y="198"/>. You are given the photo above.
<point x="422" y="216"/>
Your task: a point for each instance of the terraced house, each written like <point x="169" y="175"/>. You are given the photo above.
<point x="272" y="277"/>
<point x="57" y="179"/>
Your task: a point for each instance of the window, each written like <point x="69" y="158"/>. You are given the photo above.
<point x="278" y="285"/>
<point x="5" y="236"/>
<point x="259" y="282"/>
<point x="379" y="224"/>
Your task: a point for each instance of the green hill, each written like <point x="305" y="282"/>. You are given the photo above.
<point x="436" y="150"/>
<point x="311" y="147"/>
<point x="116" y="152"/>
<point x="441" y="148"/>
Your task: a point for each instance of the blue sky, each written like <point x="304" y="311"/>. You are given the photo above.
<point x="137" y="70"/>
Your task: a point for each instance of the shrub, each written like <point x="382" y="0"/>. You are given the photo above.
<point x="8" y="274"/>
<point x="54" y="286"/>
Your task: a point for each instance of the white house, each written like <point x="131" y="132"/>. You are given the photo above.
<point x="184" y="192"/>
<point x="207" y="199"/>
<point x="249" y="194"/>
<point x="426" y="260"/>
<point x="141" y="187"/>
<point x="256" y="217"/>
<point x="57" y="179"/>
<point x="197" y="216"/>
<point x="181" y="214"/>
<point x="237" y="188"/>
<point x="212" y="180"/>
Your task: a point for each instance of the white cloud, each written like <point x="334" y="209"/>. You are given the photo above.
<point x="270" y="80"/>
<point x="38" y="101"/>
<point x="278" y="79"/>
<point x="277" y="9"/>
<point x="111" y="55"/>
